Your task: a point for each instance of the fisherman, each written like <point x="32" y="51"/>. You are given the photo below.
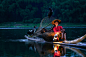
<point x="34" y="29"/>
<point x="58" y="29"/>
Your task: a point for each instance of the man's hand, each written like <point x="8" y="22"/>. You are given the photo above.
<point x="62" y="30"/>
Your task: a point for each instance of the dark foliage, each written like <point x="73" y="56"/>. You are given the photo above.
<point x="28" y="11"/>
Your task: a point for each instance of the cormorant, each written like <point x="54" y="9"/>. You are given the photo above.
<point x="32" y="31"/>
<point x="50" y="12"/>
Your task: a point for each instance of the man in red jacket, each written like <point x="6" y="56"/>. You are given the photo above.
<point x="58" y="29"/>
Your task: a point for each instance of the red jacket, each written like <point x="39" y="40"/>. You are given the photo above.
<point x="57" y="29"/>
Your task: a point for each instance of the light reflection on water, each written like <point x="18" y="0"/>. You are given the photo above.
<point x="13" y="44"/>
<point x="26" y="48"/>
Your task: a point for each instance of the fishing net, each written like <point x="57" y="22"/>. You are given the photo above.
<point x="46" y="23"/>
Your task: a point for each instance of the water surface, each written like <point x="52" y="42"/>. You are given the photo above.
<point x="14" y="44"/>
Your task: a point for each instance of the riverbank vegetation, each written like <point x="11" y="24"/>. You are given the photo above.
<point x="20" y="24"/>
<point x="33" y="11"/>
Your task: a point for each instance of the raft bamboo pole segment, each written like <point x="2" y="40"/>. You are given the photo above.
<point x="76" y="40"/>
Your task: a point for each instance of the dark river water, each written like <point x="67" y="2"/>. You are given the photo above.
<point x="14" y="44"/>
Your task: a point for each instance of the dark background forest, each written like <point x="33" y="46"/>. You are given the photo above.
<point x="28" y="11"/>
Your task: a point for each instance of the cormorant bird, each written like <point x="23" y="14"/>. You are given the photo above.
<point x="50" y="12"/>
<point x="32" y="31"/>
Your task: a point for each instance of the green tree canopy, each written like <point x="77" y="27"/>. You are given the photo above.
<point x="72" y="11"/>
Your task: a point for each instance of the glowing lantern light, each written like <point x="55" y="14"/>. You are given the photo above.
<point x="57" y="33"/>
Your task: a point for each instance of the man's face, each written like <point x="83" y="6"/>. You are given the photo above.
<point x="56" y="23"/>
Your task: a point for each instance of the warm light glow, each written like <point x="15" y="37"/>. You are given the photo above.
<point x="57" y="42"/>
<point x="57" y="33"/>
<point x="55" y="48"/>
